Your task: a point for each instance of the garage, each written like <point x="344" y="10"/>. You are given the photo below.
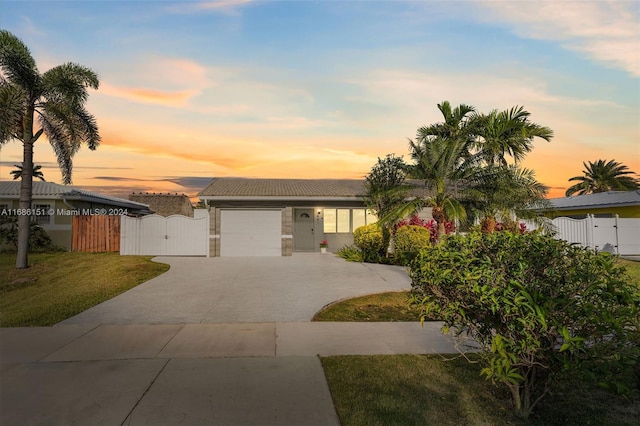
<point x="250" y="232"/>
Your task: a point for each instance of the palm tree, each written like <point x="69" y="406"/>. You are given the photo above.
<point x="442" y="159"/>
<point x="33" y="104"/>
<point x="505" y="191"/>
<point x="603" y="176"/>
<point x="37" y="172"/>
<point x="507" y="133"/>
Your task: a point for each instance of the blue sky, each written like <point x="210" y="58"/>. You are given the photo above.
<point x="193" y="90"/>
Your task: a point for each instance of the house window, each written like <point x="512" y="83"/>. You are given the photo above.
<point x="346" y="220"/>
<point x="362" y="217"/>
<point x="44" y="218"/>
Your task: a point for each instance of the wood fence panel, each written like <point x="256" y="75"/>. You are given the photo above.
<point x="96" y="233"/>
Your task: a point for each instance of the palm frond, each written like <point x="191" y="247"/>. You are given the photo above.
<point x="17" y="63"/>
<point x="68" y="84"/>
<point x="12" y="105"/>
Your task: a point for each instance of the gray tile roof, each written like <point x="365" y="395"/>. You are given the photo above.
<point x="250" y="188"/>
<point x="52" y="191"/>
<point x="599" y="200"/>
<point x="246" y="187"/>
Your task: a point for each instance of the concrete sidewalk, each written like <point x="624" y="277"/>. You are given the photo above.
<point x="191" y="374"/>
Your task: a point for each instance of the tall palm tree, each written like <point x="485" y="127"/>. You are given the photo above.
<point x="442" y="159"/>
<point x="33" y="104"/>
<point x="603" y="176"/>
<point x="37" y="172"/>
<point x="507" y="133"/>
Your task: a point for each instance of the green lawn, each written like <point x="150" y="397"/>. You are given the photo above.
<point x="423" y="390"/>
<point x="60" y="285"/>
<point x="390" y="306"/>
<point x="393" y="306"/>
<point x="407" y="390"/>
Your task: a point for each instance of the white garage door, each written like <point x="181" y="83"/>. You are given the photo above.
<point x="251" y="233"/>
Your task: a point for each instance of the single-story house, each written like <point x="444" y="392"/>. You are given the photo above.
<point x="625" y="204"/>
<point x="56" y="205"/>
<point x="165" y="204"/>
<point x="275" y="217"/>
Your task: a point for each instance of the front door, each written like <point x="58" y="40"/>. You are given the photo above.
<point x="303" y="230"/>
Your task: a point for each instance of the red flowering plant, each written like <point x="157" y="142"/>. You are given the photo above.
<point x="324" y="243"/>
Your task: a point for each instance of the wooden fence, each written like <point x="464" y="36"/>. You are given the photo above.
<point x="98" y="233"/>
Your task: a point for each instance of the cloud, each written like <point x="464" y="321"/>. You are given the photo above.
<point x="176" y="99"/>
<point x="29" y="27"/>
<point x="159" y="80"/>
<point x="227" y="7"/>
<point x="606" y="31"/>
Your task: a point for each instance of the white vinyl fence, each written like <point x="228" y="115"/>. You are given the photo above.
<point x="614" y="235"/>
<point x="165" y="236"/>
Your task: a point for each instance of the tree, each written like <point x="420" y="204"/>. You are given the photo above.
<point x="535" y="308"/>
<point x="603" y="176"/>
<point x="385" y="186"/>
<point x="386" y="192"/>
<point x="33" y="104"/>
<point x="508" y="133"/>
<point x="442" y="159"/>
<point x="507" y="191"/>
<point x="37" y="172"/>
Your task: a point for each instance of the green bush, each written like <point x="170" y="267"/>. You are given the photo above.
<point x="370" y="241"/>
<point x="39" y="240"/>
<point x="537" y="307"/>
<point x="409" y="240"/>
<point x="350" y="253"/>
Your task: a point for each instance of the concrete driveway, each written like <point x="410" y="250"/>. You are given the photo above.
<point x="255" y="289"/>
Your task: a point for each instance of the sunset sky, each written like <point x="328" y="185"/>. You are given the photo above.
<point x="321" y="89"/>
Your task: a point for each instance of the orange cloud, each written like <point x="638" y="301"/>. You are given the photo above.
<point x="174" y="98"/>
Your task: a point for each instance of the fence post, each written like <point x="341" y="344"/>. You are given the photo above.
<point x="590" y="225"/>
<point x="615" y="226"/>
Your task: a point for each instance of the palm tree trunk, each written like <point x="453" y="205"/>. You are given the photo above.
<point x="487" y="225"/>
<point x="26" y="186"/>
<point x="439" y="216"/>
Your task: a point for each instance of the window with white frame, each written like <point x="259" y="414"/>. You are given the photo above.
<point x="346" y="220"/>
<point x="43" y="218"/>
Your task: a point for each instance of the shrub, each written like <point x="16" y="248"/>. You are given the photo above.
<point x="429" y="224"/>
<point x="370" y="241"/>
<point x="409" y="240"/>
<point x="537" y="307"/>
<point x="350" y="253"/>
<point x="39" y="240"/>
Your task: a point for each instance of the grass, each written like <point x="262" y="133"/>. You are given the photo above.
<point x="633" y="269"/>
<point x="390" y="306"/>
<point x="426" y="389"/>
<point x="393" y="306"/>
<point x="60" y="285"/>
